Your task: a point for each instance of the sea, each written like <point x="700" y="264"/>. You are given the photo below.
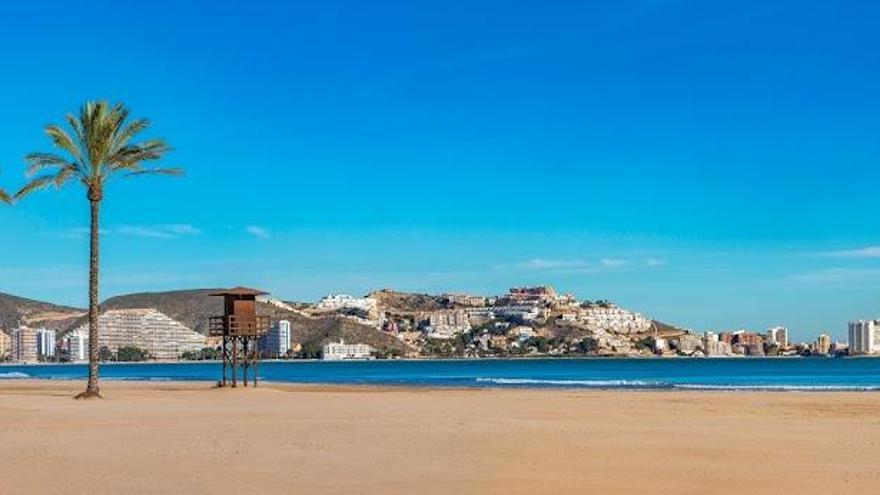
<point x="772" y="374"/>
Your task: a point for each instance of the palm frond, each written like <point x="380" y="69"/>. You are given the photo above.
<point x="39" y="161"/>
<point x="36" y="184"/>
<point x="156" y="171"/>
<point x="77" y="127"/>
<point x="63" y="141"/>
<point x="131" y="156"/>
<point x="64" y="175"/>
<point x="130" y="131"/>
<point x="5" y="197"/>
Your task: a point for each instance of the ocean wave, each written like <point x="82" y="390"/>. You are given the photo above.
<point x="648" y="384"/>
<point x="782" y="388"/>
<point x="13" y="375"/>
<point x="576" y="383"/>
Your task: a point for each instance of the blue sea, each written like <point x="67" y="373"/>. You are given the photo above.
<point x="859" y="374"/>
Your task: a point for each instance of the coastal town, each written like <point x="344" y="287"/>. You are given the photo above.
<point x="523" y="322"/>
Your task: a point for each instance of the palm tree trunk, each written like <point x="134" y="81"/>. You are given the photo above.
<point x="92" y="386"/>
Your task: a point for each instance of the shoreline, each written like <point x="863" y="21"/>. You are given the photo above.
<point x="613" y="375"/>
<point x="197" y="384"/>
<point x="376" y="386"/>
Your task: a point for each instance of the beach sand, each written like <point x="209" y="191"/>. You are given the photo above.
<point x="190" y="438"/>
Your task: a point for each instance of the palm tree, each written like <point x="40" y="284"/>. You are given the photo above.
<point x="100" y="148"/>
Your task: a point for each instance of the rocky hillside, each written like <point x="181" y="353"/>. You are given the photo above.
<point x="405" y="303"/>
<point x="665" y="330"/>
<point x="15" y="310"/>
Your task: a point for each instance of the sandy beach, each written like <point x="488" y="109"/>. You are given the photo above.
<point x="190" y="438"/>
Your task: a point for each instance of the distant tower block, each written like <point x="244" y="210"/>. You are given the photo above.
<point x="240" y="327"/>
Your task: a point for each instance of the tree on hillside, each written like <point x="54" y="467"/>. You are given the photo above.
<point x="100" y="148"/>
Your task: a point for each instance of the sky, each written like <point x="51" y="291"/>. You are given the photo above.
<point x="710" y="164"/>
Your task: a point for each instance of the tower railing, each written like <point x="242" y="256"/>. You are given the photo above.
<point x="238" y="325"/>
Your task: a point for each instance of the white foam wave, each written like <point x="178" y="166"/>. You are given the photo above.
<point x="784" y="388"/>
<point x="13" y="375"/>
<point x="571" y="383"/>
<point x="666" y="385"/>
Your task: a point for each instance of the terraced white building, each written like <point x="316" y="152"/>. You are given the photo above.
<point x="148" y="329"/>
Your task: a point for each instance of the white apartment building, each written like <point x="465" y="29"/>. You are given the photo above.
<point x="77" y="345"/>
<point x="864" y="337"/>
<point x="465" y="299"/>
<point x="615" y="319"/>
<point x="522" y="332"/>
<point x="445" y="324"/>
<point x="441" y="331"/>
<point x="523" y="312"/>
<point x="45" y="342"/>
<point x="340" y="351"/>
<point x="276" y="342"/>
<point x="778" y="335"/>
<point x="334" y="302"/>
<point x="567" y="318"/>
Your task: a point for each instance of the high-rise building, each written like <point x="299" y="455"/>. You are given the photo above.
<point x="715" y="346"/>
<point x="76" y="343"/>
<point x="46" y="342"/>
<point x="746" y="338"/>
<point x="823" y="344"/>
<point x="24" y="345"/>
<point x="445" y="323"/>
<point x="147" y="329"/>
<point x="778" y="335"/>
<point x="864" y="336"/>
<point x="276" y="341"/>
<point x="5" y="344"/>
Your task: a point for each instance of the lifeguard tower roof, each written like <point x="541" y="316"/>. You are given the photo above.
<point x="240" y="291"/>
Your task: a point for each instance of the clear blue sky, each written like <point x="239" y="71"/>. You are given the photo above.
<point x="712" y="165"/>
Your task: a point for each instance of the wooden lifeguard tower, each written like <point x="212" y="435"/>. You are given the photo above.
<point x="240" y="327"/>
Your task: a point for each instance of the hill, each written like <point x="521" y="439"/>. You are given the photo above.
<point x="192" y="307"/>
<point x="15" y="310"/>
<point x="314" y="332"/>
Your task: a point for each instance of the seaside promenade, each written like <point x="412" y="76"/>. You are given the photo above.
<point x="163" y="438"/>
